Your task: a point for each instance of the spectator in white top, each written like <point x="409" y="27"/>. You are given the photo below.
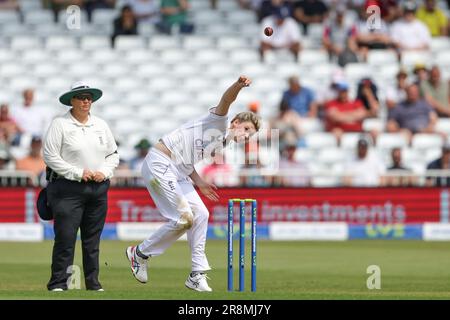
<point x="146" y="10"/>
<point x="286" y="33"/>
<point x="366" y="169"/>
<point x="409" y="33"/>
<point x="31" y="120"/>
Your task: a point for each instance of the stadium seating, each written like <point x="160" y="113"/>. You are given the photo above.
<point x="320" y="140"/>
<point x="153" y="82"/>
<point x="424" y="141"/>
<point x="391" y="140"/>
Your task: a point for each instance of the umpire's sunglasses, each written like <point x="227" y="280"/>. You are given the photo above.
<point x="83" y="96"/>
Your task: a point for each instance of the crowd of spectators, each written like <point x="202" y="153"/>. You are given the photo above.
<point x="163" y="15"/>
<point x="348" y="40"/>
<point x="414" y="104"/>
<point x="23" y="126"/>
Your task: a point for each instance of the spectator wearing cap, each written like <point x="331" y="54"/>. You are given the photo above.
<point x="9" y="126"/>
<point x="399" y="169"/>
<point x="328" y="93"/>
<point x="126" y="24"/>
<point x="81" y="155"/>
<point x="307" y="12"/>
<point x="408" y="33"/>
<point x="34" y="162"/>
<point x="343" y="114"/>
<point x="339" y="38"/>
<point x="28" y="117"/>
<point x="442" y="163"/>
<point x="437" y="92"/>
<point x="142" y="148"/>
<point x="365" y="169"/>
<point x="420" y="73"/>
<point x="301" y="99"/>
<point x="396" y="94"/>
<point x="414" y="115"/>
<point x="367" y="94"/>
<point x="434" y="18"/>
<point x="286" y="34"/>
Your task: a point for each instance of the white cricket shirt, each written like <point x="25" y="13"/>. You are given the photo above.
<point x="196" y="140"/>
<point x="71" y="146"/>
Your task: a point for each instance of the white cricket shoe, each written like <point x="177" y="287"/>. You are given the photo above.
<point x="138" y="265"/>
<point x="57" y="290"/>
<point x="198" y="282"/>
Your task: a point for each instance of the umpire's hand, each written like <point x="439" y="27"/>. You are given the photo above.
<point x="87" y="175"/>
<point x="98" y="176"/>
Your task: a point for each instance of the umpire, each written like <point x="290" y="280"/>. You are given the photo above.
<point x="81" y="154"/>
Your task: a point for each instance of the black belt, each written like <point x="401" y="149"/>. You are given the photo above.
<point x="51" y="175"/>
<point x="54" y="176"/>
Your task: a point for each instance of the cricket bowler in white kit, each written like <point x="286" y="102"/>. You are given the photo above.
<point x="166" y="172"/>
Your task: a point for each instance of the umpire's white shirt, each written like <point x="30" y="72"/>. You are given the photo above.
<point x="71" y="146"/>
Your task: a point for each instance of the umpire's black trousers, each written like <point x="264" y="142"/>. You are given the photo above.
<point x="76" y="205"/>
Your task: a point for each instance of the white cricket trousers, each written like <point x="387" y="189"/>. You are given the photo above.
<point x="177" y="200"/>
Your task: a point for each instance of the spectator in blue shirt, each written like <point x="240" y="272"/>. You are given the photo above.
<point x="414" y="115"/>
<point x="300" y="99"/>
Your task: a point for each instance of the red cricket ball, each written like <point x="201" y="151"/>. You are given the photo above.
<point x="268" y="31"/>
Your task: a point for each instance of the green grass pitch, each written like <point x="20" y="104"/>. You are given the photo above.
<point x="286" y="270"/>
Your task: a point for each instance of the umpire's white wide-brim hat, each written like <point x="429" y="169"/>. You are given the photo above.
<point x="77" y="88"/>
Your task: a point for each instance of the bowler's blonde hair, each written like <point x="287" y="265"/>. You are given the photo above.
<point x="248" y="116"/>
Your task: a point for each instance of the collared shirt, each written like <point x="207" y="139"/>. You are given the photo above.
<point x="196" y="140"/>
<point x="412" y="116"/>
<point x="71" y="146"/>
